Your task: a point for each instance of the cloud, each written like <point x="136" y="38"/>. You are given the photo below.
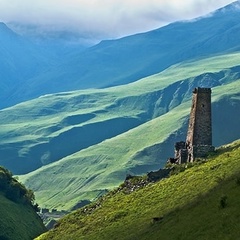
<point x="109" y="18"/>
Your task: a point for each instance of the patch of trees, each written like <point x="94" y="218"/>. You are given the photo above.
<point x="14" y="190"/>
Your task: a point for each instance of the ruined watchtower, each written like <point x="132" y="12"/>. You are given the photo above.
<point x="199" y="135"/>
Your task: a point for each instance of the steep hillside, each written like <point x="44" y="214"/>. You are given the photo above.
<point x="84" y="128"/>
<point x="125" y="60"/>
<point x="81" y="119"/>
<point x="201" y="202"/>
<point x="18" y="217"/>
<point x="88" y="173"/>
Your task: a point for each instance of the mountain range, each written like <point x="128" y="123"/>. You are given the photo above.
<point x="82" y="123"/>
<point x="121" y="61"/>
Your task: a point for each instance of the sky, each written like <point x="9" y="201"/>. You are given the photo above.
<point x="104" y="18"/>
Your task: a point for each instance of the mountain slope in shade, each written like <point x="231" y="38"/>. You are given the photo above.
<point x="22" y="59"/>
<point x="19" y="60"/>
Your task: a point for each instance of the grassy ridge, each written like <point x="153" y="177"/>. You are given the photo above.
<point x="98" y="167"/>
<point x="88" y="173"/>
<point x="34" y="137"/>
<point x="85" y="129"/>
<point x="189" y="202"/>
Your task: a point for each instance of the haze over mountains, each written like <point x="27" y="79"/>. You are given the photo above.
<point x="114" y="62"/>
<point x="86" y="141"/>
<point x="23" y="58"/>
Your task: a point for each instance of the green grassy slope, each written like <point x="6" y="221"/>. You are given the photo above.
<point x="59" y="126"/>
<point x="18" y="221"/>
<point x="200" y="203"/>
<point x="88" y="173"/>
<point x="18" y="217"/>
<point x="80" y="119"/>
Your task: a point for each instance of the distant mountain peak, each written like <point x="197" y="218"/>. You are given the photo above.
<point x="3" y="26"/>
<point x="4" y="29"/>
<point x="232" y="7"/>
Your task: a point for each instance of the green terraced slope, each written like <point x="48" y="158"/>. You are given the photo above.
<point x="89" y="172"/>
<point x="52" y="127"/>
<point x="200" y="203"/>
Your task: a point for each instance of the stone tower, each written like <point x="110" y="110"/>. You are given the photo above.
<point x="199" y="135"/>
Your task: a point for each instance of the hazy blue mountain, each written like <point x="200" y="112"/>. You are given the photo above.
<point x="112" y="62"/>
<point x="17" y="56"/>
<point x="19" y="61"/>
<point x="125" y="60"/>
<point x="60" y="43"/>
<point x="23" y="57"/>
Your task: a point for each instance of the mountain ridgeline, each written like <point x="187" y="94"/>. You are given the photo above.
<point x="135" y="108"/>
<point x="121" y="61"/>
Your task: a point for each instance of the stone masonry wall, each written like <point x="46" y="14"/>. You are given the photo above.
<point x="199" y="136"/>
<point x="200" y="123"/>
